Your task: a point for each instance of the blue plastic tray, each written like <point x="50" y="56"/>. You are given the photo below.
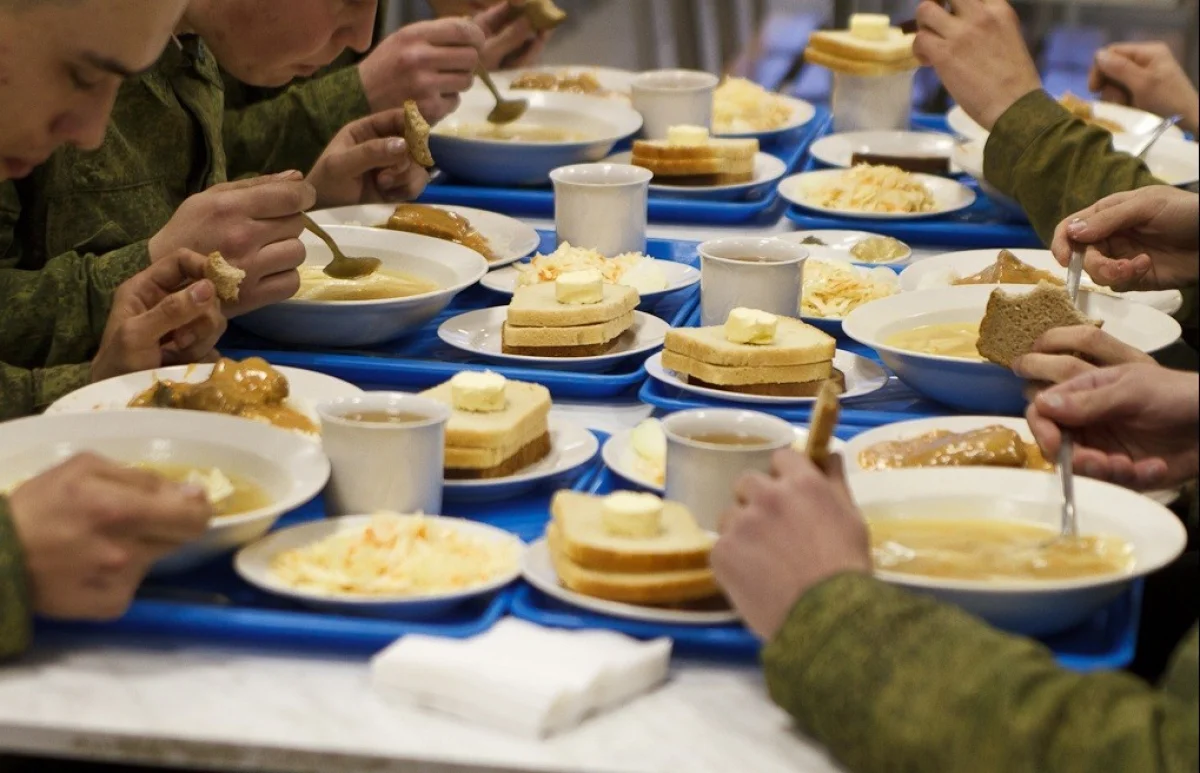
<point x="981" y="225"/>
<point x="421" y="360"/>
<point x="539" y="202"/>
<point x="188" y="607"/>
<point x="1106" y="642"/>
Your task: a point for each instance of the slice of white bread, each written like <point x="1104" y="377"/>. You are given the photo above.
<point x="716" y="157"/>
<point x="1013" y="323"/>
<point x="796" y="343"/>
<point x="895" y="48"/>
<point x="681" y="545"/>
<point x="537" y="306"/>
<point x="543" y="15"/>
<point x="744" y="375"/>
<point x="577" y="335"/>
<point x="523" y="419"/>
<point x="480" y="463"/>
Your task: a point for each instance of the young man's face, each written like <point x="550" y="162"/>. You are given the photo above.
<point x="61" y="63"/>
<point x="271" y="42"/>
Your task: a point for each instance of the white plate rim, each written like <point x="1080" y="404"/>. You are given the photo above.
<point x="803" y="112"/>
<point x="574" y="433"/>
<point x="497" y="281"/>
<point x="821" y="149"/>
<point x="788" y="184"/>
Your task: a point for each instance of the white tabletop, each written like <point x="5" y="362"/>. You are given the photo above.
<point x="252" y="710"/>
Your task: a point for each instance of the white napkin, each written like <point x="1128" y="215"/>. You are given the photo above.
<point x="520" y="677"/>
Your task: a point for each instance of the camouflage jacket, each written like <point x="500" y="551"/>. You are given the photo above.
<point x="893" y="681"/>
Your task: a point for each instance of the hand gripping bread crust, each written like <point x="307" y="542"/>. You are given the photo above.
<point x="226" y="278"/>
<point x="537" y="306"/>
<point x="578" y="517"/>
<point x="416" y="135"/>
<point x="796" y="343"/>
<point x="1013" y="323"/>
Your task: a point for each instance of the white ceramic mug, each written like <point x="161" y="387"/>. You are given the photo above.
<point x="384" y="466"/>
<point x="667" y="98"/>
<point x="702" y="475"/>
<point x="602" y="206"/>
<point x="872" y="102"/>
<point x="764" y="274"/>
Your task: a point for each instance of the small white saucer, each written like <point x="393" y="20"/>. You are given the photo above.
<point x="680" y="276"/>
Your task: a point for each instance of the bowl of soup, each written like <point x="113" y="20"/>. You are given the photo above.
<point x="252" y="472"/>
<point x="984" y="539"/>
<point x="417" y="278"/>
<point x="556" y="130"/>
<point x="928" y="339"/>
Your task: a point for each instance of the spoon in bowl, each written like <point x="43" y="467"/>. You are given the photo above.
<point x="506" y="110"/>
<point x="1066" y="452"/>
<point x="341" y="267"/>
<point x="1140" y="150"/>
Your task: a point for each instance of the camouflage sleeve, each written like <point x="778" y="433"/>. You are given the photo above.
<point x="16" y="626"/>
<point x="1055" y="164"/>
<point x="24" y="392"/>
<point x="891" y="681"/>
<point x="291" y="129"/>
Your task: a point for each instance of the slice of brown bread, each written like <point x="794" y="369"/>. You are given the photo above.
<point x="824" y="421"/>
<point x="576" y="335"/>
<point x="462" y="463"/>
<point x="730" y="376"/>
<point x="799" y="389"/>
<point x="416" y="135"/>
<point x="226" y="278"/>
<point x="543" y="15"/>
<point x="1013" y="323"/>
<point x="566" y="352"/>
<point x="703" y="180"/>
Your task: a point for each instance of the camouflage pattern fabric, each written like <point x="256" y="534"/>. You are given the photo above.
<point x="891" y="681"/>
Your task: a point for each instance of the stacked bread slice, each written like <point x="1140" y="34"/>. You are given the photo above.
<point x="794" y="360"/>
<point x="496" y="428"/>
<point x="632" y="548"/>
<point x="574" y="316"/>
<point x="870" y="47"/>
<point x="689" y="157"/>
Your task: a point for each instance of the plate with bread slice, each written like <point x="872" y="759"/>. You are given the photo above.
<point x="691" y="164"/>
<point x="876" y="193"/>
<point x="628" y="555"/>
<point x="863" y="247"/>
<point x="919" y="152"/>
<point x="578" y="321"/>
<point x="500" y="239"/>
<point x="651" y="278"/>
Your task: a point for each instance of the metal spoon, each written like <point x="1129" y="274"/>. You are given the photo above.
<point x="506" y="110"/>
<point x="1141" y="150"/>
<point x="341" y="267"/>
<point x="1066" y="453"/>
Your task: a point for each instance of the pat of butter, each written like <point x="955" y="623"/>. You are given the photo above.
<point x="478" y="392"/>
<point x="749" y="326"/>
<point x="687" y="135"/>
<point x="870" y="26"/>
<point x="217" y="487"/>
<point x="579" y="287"/>
<point x="630" y="514"/>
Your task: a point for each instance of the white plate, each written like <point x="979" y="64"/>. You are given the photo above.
<point x="538" y="571"/>
<point x="618" y="457"/>
<point x="863" y="377"/>
<point x="253" y="564"/>
<point x="510" y="239"/>
<point x="1134" y="121"/>
<point x="305" y="389"/>
<point x="1173" y="160"/>
<point x="837" y="246"/>
<point x="478" y="332"/>
<point x="680" y="276"/>
<point x="839" y="149"/>
<point x="615" y="80"/>
<point x="802" y="113"/>
<point x="571" y="447"/>
<point x="833" y="325"/>
<point x="971" y="385"/>
<point x="767" y="170"/>
<point x="905" y="430"/>
<point x="942" y="270"/>
<point x="949" y="196"/>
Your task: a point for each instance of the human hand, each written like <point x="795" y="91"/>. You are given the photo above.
<point x="1146" y="76"/>
<point x="789" y="531"/>
<point x="430" y="62"/>
<point x="1134" y="425"/>
<point x="368" y="162"/>
<point x="90" y="530"/>
<point x="1144" y="239"/>
<point x="511" y="40"/>
<point x="1062" y="353"/>
<point x="979" y="53"/>
<point x="155" y="323"/>
<point x="255" y="224"/>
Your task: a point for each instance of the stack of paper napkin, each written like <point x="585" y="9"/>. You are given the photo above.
<point x="521" y="677"/>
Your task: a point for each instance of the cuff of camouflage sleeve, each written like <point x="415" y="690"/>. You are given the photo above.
<point x="16" y="618"/>
<point x="339" y="98"/>
<point x="108" y="272"/>
<point x="49" y="384"/>
<point x="1019" y="128"/>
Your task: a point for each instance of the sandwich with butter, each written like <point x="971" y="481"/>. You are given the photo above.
<point x="754" y="353"/>
<point x="870" y="47"/>
<point x="630" y="547"/>
<point x="690" y="157"/>
<point x="577" y="315"/>
<point x="496" y="428"/>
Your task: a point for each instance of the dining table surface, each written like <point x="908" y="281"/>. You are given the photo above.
<point x="183" y="704"/>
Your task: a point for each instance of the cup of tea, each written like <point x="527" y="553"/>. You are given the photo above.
<point x="387" y="451"/>
<point x="667" y="98"/>
<point x="765" y="274"/>
<point x="602" y="206"/>
<point x="708" y="449"/>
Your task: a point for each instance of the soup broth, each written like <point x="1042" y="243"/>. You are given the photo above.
<point x="385" y="417"/>
<point x="513" y="133"/>
<point x="244" y="497"/>
<point x="383" y="284"/>
<point x="729" y="439"/>
<point x="948" y="339"/>
<point x="967" y="549"/>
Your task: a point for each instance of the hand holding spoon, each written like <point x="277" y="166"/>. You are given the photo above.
<point x="341" y="267"/>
